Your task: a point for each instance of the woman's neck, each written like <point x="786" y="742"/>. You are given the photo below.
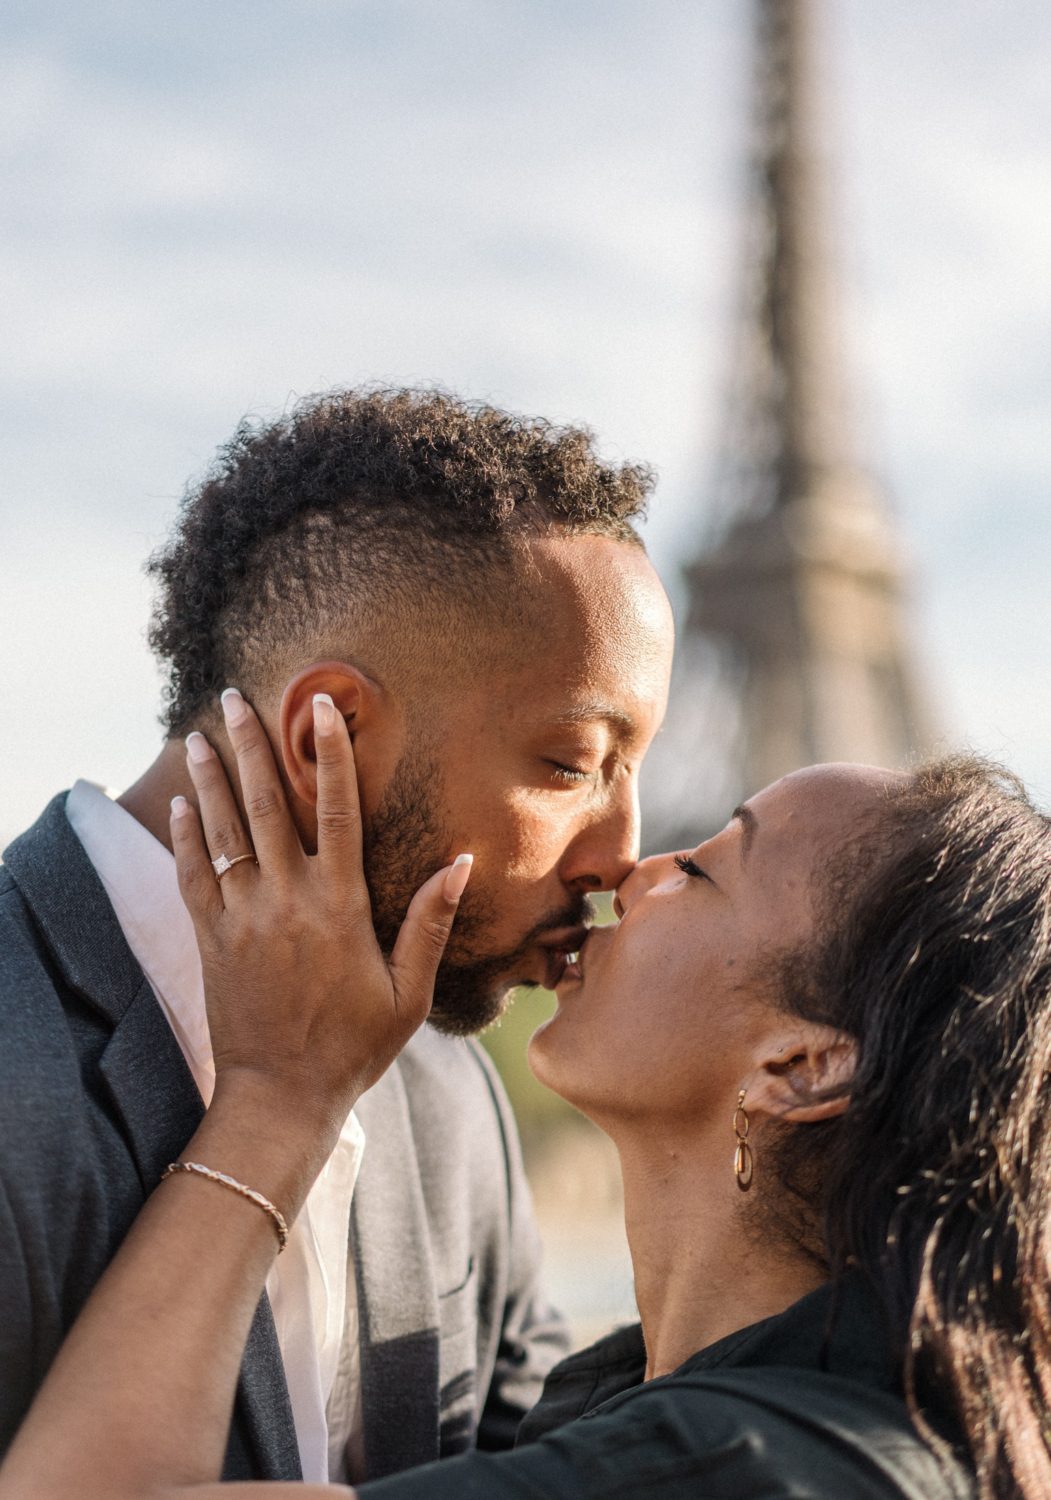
<point x="702" y="1270"/>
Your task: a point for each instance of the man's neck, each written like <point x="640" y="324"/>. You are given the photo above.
<point x="701" y="1270"/>
<point x="149" y="800"/>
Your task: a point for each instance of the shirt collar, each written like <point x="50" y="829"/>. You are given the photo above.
<point x="140" y="879"/>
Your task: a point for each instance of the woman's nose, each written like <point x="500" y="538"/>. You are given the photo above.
<point x="646" y="874"/>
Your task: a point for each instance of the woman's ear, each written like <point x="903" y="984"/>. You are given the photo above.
<point x="806" y="1078"/>
<point x="353" y="695"/>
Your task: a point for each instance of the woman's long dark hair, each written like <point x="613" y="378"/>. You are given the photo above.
<point x="938" y="1183"/>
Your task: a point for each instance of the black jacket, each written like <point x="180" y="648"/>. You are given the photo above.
<point x="96" y="1099"/>
<point x="775" y="1411"/>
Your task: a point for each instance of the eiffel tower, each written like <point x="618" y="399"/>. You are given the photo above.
<point x="795" y="643"/>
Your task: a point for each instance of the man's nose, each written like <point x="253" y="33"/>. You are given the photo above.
<point x="605" y="850"/>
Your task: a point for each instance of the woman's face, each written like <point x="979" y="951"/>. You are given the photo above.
<point x="668" y="1012"/>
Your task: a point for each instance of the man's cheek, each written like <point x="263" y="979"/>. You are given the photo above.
<point x="535" y="833"/>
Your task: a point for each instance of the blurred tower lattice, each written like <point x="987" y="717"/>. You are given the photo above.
<point x="794" y="648"/>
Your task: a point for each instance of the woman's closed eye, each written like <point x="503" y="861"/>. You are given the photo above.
<point x="689" y="867"/>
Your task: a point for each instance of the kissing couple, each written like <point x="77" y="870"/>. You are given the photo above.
<point x="262" y="1224"/>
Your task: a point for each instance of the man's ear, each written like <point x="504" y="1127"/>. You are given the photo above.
<point x="806" y="1078"/>
<point x="355" y="697"/>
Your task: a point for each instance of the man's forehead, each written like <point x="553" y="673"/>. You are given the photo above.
<point x="538" y="700"/>
<point x="595" y="592"/>
<point x="596" y="659"/>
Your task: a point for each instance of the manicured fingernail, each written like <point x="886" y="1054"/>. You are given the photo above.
<point x="234" y="709"/>
<point x="180" y="807"/>
<point x="197" y="747"/>
<point x="458" y="876"/>
<point x="324" y="714"/>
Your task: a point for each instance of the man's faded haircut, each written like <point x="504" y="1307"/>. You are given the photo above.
<point x="375" y="516"/>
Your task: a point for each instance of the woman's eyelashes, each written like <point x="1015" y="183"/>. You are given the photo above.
<point x="688" y="867"/>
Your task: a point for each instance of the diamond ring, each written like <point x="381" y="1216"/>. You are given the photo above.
<point x="222" y="864"/>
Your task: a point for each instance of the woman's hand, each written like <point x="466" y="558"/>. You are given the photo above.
<point x="305" y="1012"/>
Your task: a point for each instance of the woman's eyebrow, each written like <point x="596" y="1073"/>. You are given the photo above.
<point x="747" y="819"/>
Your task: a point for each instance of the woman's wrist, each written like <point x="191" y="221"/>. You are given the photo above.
<point x="269" y="1134"/>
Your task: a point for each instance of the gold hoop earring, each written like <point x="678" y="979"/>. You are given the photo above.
<point x="744" y="1163"/>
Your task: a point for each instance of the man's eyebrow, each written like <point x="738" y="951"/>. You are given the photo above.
<point x="747" y="819"/>
<point x="588" y="713"/>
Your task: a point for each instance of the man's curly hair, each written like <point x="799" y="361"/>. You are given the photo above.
<point x="362" y="514"/>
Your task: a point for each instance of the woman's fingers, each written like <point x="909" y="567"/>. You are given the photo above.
<point x="273" y="834"/>
<point x="197" y="882"/>
<point x="338" y="808"/>
<point x="223" y="830"/>
<point x="422" y="939"/>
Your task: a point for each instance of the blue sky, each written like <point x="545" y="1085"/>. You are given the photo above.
<point x="212" y="209"/>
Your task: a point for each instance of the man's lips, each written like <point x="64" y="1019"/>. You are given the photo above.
<point x="575" y="970"/>
<point x="558" y="945"/>
<point x="565" y="939"/>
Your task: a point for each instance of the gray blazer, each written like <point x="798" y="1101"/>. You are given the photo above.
<point x="96" y="1099"/>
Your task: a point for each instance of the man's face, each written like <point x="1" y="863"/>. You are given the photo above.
<point x="533" y="769"/>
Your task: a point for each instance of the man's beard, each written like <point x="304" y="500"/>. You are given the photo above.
<point x="405" y="842"/>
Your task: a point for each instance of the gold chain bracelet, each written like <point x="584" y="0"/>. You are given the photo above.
<point x="238" y="1187"/>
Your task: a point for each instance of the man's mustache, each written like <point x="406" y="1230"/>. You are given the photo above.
<point x="579" y="912"/>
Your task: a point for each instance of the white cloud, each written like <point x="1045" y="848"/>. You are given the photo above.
<point x="209" y="209"/>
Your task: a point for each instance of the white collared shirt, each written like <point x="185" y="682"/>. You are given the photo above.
<point x="311" y="1287"/>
